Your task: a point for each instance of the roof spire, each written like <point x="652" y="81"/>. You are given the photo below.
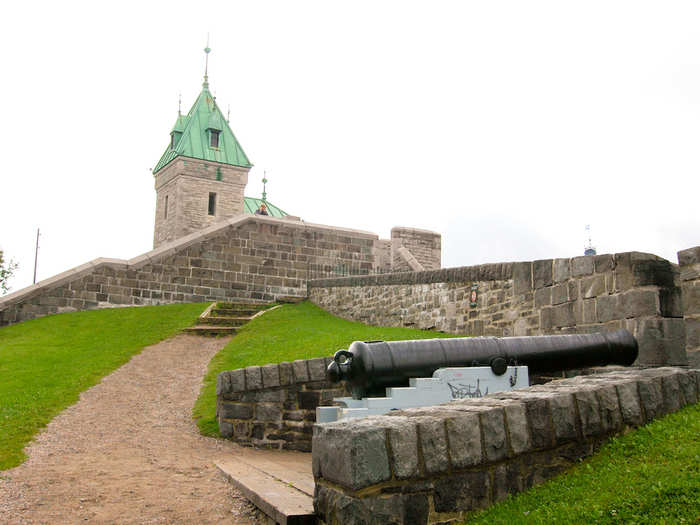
<point x="228" y="114"/>
<point x="207" y="50"/>
<point x="179" y="104"/>
<point x="264" y="181"/>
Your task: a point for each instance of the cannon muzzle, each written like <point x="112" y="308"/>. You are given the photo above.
<point x="371" y="366"/>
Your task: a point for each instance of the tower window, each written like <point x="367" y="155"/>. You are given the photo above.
<point x="214" y="138"/>
<point x="165" y="211"/>
<point x="212" y="204"/>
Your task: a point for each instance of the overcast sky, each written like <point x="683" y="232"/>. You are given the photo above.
<point x="505" y="126"/>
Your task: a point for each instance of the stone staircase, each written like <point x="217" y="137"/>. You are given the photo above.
<point x="225" y="318"/>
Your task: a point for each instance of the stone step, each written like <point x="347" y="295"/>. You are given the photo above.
<point x="224" y="321"/>
<point x="233" y="312"/>
<point x="279" y="483"/>
<point x="210" y="330"/>
<point x="242" y="306"/>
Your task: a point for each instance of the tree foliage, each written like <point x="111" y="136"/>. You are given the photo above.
<point x="6" y="271"/>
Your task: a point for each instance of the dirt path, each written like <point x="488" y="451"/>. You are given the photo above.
<point x="129" y="452"/>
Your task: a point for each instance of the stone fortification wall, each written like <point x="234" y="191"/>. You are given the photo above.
<point x="423" y="245"/>
<point x="249" y="258"/>
<point x="430" y="465"/>
<point x="689" y="261"/>
<point x="631" y="290"/>
<point x="274" y="405"/>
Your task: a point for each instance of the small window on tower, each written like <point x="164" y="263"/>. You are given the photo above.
<point x="212" y="204"/>
<point x="165" y="210"/>
<point x="214" y="142"/>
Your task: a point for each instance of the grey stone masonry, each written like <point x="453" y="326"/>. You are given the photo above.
<point x="250" y="258"/>
<point x="435" y="464"/>
<point x="635" y="291"/>
<point x="274" y="406"/>
<point x="689" y="262"/>
<point x="411" y="246"/>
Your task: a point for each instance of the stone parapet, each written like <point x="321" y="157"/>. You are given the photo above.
<point x="635" y="291"/>
<point x="274" y="406"/>
<point x="424" y="247"/>
<point x="247" y="258"/>
<point x="689" y="262"/>
<point x="433" y="465"/>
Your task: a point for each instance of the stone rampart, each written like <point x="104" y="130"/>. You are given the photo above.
<point x="432" y="465"/>
<point x="249" y="258"/>
<point x="635" y="291"/>
<point x="689" y="261"/>
<point x="274" y="405"/>
<point x="412" y="245"/>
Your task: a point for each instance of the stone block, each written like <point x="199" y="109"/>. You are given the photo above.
<point x="661" y="341"/>
<point x="561" y="270"/>
<point x="629" y="403"/>
<point x="433" y="442"/>
<point x="650" y="397"/>
<point x="691" y="298"/>
<point x="494" y="433"/>
<point x="235" y="411"/>
<point x="581" y="266"/>
<point x="352" y="454"/>
<point x="686" y="381"/>
<point x="638" y="303"/>
<point x="253" y="378"/>
<point x="671" y="390"/>
<point x="268" y="412"/>
<point x="464" y="438"/>
<point x="560" y="294"/>
<point x="589" y="314"/>
<point x="463" y="492"/>
<point x="223" y="383"/>
<point x="563" y="315"/>
<point x="603" y="263"/>
<point x="237" y="380"/>
<point x="317" y="369"/>
<point x="607" y="308"/>
<point x="539" y="417"/>
<point x="507" y="479"/>
<point x="589" y="413"/>
<point x="593" y="286"/>
<point x="270" y="376"/>
<point x="689" y="256"/>
<point x="610" y="415"/>
<point x="225" y="429"/>
<point x="542" y="273"/>
<point x="518" y="433"/>
<point x="403" y="447"/>
<point x="543" y="297"/>
<point x="309" y="400"/>
<point x="285" y="371"/>
<point x="300" y="371"/>
<point x="564" y="417"/>
<point x="522" y="278"/>
<point x="546" y="319"/>
<point x="670" y="302"/>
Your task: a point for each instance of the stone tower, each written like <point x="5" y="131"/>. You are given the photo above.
<point x="201" y="177"/>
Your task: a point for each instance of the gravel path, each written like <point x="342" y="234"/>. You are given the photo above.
<point x="129" y="452"/>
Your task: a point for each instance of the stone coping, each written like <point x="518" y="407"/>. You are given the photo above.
<point x="163" y="251"/>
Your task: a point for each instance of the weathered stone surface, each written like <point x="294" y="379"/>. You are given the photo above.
<point x="563" y="315"/>
<point x="581" y="266"/>
<point x="253" y="378"/>
<point x="661" y="341"/>
<point x="353" y="455"/>
<point x="518" y="433"/>
<point x="629" y="403"/>
<point x="270" y="376"/>
<point x="603" y="263"/>
<point x="589" y="412"/>
<point x="507" y="479"/>
<point x="494" y="433"/>
<point x="539" y="417"/>
<point x="467" y="491"/>
<point x="268" y="412"/>
<point x="686" y="381"/>
<point x="689" y="256"/>
<point x="433" y="442"/>
<point x="403" y="444"/>
<point x="317" y="369"/>
<point x="610" y="414"/>
<point x="542" y="273"/>
<point x="561" y="270"/>
<point x="564" y="417"/>
<point x="607" y="308"/>
<point x="651" y="397"/>
<point x="285" y="371"/>
<point x="671" y="391"/>
<point x="638" y="303"/>
<point x="522" y="277"/>
<point x="223" y="383"/>
<point x="593" y="286"/>
<point x="301" y="373"/>
<point x="560" y="293"/>
<point x="225" y="429"/>
<point x="235" y="411"/>
<point x="237" y="380"/>
<point x="464" y="437"/>
<point x="543" y="297"/>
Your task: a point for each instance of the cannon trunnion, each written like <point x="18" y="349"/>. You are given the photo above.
<point x="371" y="366"/>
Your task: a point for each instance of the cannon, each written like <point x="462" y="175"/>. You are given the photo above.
<point x="371" y="366"/>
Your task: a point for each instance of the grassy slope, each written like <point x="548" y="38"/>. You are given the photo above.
<point x="45" y="363"/>
<point x="300" y="331"/>
<point x="649" y="476"/>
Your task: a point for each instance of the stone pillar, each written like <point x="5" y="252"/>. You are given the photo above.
<point x="689" y="261"/>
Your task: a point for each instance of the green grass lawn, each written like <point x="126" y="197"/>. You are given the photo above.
<point x="649" y="476"/>
<point x="300" y="331"/>
<point x="45" y="363"/>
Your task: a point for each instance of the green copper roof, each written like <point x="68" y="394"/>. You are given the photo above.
<point x="194" y="142"/>
<point x="250" y="204"/>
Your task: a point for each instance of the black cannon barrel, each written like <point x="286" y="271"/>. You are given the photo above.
<point x="371" y="366"/>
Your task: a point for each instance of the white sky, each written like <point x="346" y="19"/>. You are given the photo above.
<point x="506" y="126"/>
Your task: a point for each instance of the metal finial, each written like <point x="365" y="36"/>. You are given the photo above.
<point x="179" y="104"/>
<point x="264" y="181"/>
<point x="207" y="50"/>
